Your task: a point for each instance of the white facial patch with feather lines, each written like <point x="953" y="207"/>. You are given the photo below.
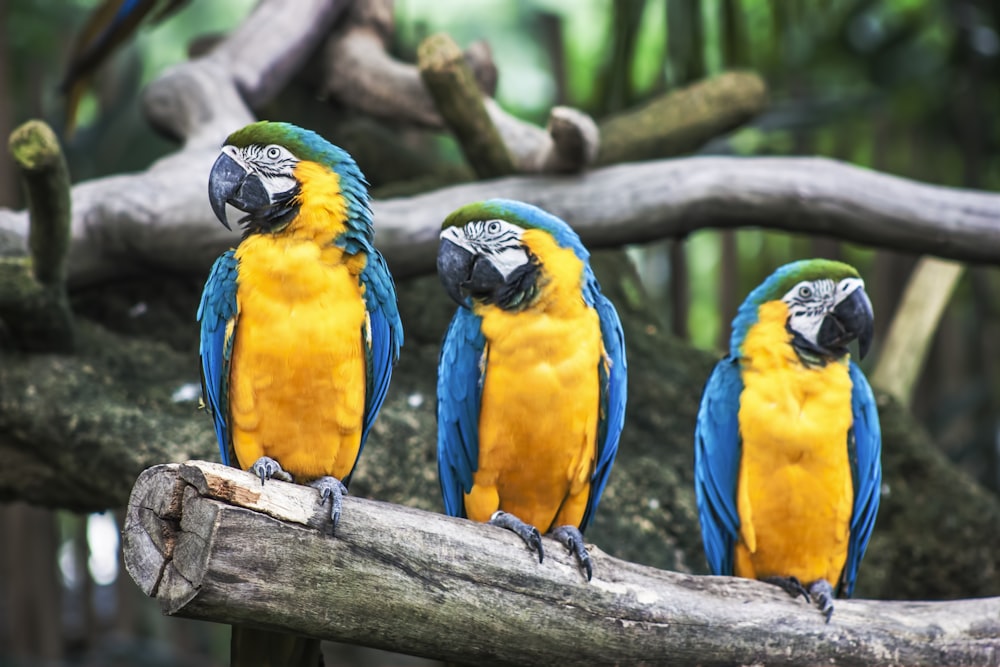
<point x="808" y="303"/>
<point x="274" y="165"/>
<point x="497" y="240"/>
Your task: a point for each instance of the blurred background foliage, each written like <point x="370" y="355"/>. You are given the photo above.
<point x="909" y="87"/>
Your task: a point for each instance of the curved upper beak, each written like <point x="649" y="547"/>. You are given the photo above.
<point x="230" y="183"/>
<point x="852" y="318"/>
<point x="454" y="266"/>
<point x="464" y="273"/>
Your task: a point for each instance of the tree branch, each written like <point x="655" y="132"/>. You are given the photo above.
<point x="201" y="101"/>
<point x="159" y="221"/>
<point x="635" y="203"/>
<point x="360" y="74"/>
<point x="452" y="85"/>
<point x="913" y="327"/>
<point x="33" y="302"/>
<point x="682" y="120"/>
<point x="211" y="543"/>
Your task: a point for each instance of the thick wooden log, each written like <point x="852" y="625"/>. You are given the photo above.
<point x="211" y="542"/>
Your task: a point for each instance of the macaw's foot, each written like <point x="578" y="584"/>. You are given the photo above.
<point x="818" y="592"/>
<point x="527" y="533"/>
<point x="267" y="468"/>
<point x="822" y="595"/>
<point x="791" y="585"/>
<point x="332" y="489"/>
<point x="571" y="538"/>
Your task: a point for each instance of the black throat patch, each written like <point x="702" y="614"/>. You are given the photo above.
<point x="521" y="286"/>
<point x="272" y="219"/>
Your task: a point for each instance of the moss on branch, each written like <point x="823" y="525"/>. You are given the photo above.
<point x="459" y="100"/>
<point x="681" y="120"/>
<point x="33" y="304"/>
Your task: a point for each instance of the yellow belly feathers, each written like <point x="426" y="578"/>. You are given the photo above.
<point x="297" y="385"/>
<point x="540" y="403"/>
<point x="795" y="492"/>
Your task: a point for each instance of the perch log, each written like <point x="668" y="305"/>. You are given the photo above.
<point x="212" y="543"/>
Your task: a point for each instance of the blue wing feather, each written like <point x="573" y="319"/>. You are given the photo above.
<point x="865" y="449"/>
<point x="716" y="464"/>
<point x="459" y="392"/>
<point x="217" y="314"/>
<point x="383" y="337"/>
<point x="614" y="393"/>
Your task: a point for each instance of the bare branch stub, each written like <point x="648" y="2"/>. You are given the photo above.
<point x="211" y="543"/>
<point x="460" y="102"/>
<point x="33" y="301"/>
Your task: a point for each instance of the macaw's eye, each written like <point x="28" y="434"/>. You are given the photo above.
<point x="805" y="292"/>
<point x="273" y="152"/>
<point x="493" y="227"/>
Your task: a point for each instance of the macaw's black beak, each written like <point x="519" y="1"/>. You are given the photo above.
<point x="852" y="318"/>
<point x="466" y="274"/>
<point x="230" y="183"/>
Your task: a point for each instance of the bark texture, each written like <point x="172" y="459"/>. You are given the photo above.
<point x="212" y="543"/>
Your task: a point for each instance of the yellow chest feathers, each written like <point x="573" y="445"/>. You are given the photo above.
<point x="794" y="492"/>
<point x="541" y="396"/>
<point x="794" y="408"/>
<point x="297" y="384"/>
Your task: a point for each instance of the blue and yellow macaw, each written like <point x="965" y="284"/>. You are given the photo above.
<point x="787" y="444"/>
<point x="108" y="26"/>
<point x="532" y="375"/>
<point x="299" y="326"/>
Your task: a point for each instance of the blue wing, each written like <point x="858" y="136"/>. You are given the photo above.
<point x="217" y="314"/>
<point x="459" y="391"/>
<point x="865" y="449"/>
<point x="613" y="372"/>
<point x="716" y="464"/>
<point x="383" y="337"/>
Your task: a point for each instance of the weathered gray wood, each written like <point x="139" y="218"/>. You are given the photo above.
<point x="211" y="542"/>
